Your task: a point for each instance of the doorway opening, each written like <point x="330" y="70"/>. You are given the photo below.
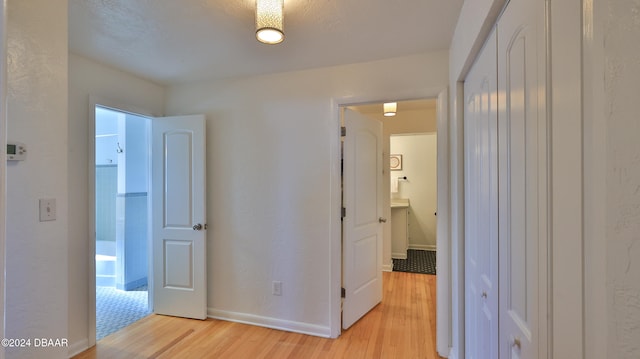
<point x="121" y="219"/>
<point x="410" y="182"/>
<point x="413" y="201"/>
<point x="415" y="120"/>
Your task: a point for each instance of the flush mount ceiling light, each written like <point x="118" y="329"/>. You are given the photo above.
<point x="269" y="21"/>
<point x="390" y="108"/>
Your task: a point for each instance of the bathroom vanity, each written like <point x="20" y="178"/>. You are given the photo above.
<point x="399" y="227"/>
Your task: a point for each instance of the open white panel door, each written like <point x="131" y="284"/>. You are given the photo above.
<point x="178" y="216"/>
<point x="362" y="228"/>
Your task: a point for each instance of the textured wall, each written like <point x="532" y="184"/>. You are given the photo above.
<point x="270" y="213"/>
<point x="3" y="163"/>
<point x="88" y="78"/>
<point x="622" y="89"/>
<point x="36" y="264"/>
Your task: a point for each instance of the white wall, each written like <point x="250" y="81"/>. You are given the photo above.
<point x="419" y="153"/>
<point x="3" y="162"/>
<point x="133" y="161"/>
<point x="88" y="78"/>
<point x="622" y="76"/>
<point x="595" y="183"/>
<point x="36" y="262"/>
<point x="271" y="181"/>
<point x="409" y="121"/>
<point x="106" y="125"/>
<point x="129" y="133"/>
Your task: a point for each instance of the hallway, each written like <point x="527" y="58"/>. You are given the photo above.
<point x="402" y="326"/>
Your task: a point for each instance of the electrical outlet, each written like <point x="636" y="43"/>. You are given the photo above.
<point x="276" y="288"/>
<point x="47" y="210"/>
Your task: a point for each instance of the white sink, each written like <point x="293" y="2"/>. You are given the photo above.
<point x="399" y="202"/>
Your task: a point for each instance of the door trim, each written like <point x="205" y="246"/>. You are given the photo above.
<point x="443" y="228"/>
<point x="335" y="304"/>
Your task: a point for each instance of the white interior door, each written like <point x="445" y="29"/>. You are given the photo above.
<point x="179" y="216"/>
<point x="481" y="209"/>
<point x="522" y="134"/>
<point x="362" y="227"/>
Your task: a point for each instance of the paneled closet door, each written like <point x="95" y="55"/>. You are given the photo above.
<point x="522" y="142"/>
<point x="481" y="209"/>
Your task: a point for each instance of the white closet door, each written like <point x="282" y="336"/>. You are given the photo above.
<point x="522" y="141"/>
<point x="481" y="209"/>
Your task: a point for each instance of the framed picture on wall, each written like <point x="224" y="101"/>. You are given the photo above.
<point x="395" y="162"/>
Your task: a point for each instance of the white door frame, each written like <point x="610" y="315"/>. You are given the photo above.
<point x="336" y="204"/>
<point x="117" y="106"/>
<point x="443" y="229"/>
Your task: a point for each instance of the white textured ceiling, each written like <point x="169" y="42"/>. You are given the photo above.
<point x="177" y="41"/>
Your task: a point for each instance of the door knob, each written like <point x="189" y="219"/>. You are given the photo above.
<point x="516" y="343"/>
<point x="197" y="227"/>
<point x="382" y="220"/>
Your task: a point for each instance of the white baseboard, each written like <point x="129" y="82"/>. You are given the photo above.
<point x="399" y="255"/>
<point x="423" y="247"/>
<point x="268" y="322"/>
<point x="78" y="347"/>
<point x="388" y="267"/>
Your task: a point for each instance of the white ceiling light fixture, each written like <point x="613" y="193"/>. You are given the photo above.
<point x="269" y="20"/>
<point x="390" y="108"/>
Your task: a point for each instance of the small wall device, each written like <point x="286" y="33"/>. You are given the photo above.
<point x="16" y="151"/>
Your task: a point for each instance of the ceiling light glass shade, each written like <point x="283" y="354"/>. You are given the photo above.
<point x="390" y="108"/>
<point x="269" y="20"/>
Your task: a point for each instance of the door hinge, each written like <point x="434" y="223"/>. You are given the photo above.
<point x="343" y="212"/>
<point x="343" y="293"/>
<point x="343" y="131"/>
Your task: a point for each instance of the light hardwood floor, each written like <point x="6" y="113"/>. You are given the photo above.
<point x="402" y="326"/>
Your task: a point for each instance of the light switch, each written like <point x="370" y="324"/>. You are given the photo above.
<point x="47" y="210"/>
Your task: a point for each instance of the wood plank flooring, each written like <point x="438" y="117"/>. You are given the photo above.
<point x="402" y="326"/>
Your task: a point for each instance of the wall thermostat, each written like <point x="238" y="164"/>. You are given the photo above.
<point x="16" y="151"/>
